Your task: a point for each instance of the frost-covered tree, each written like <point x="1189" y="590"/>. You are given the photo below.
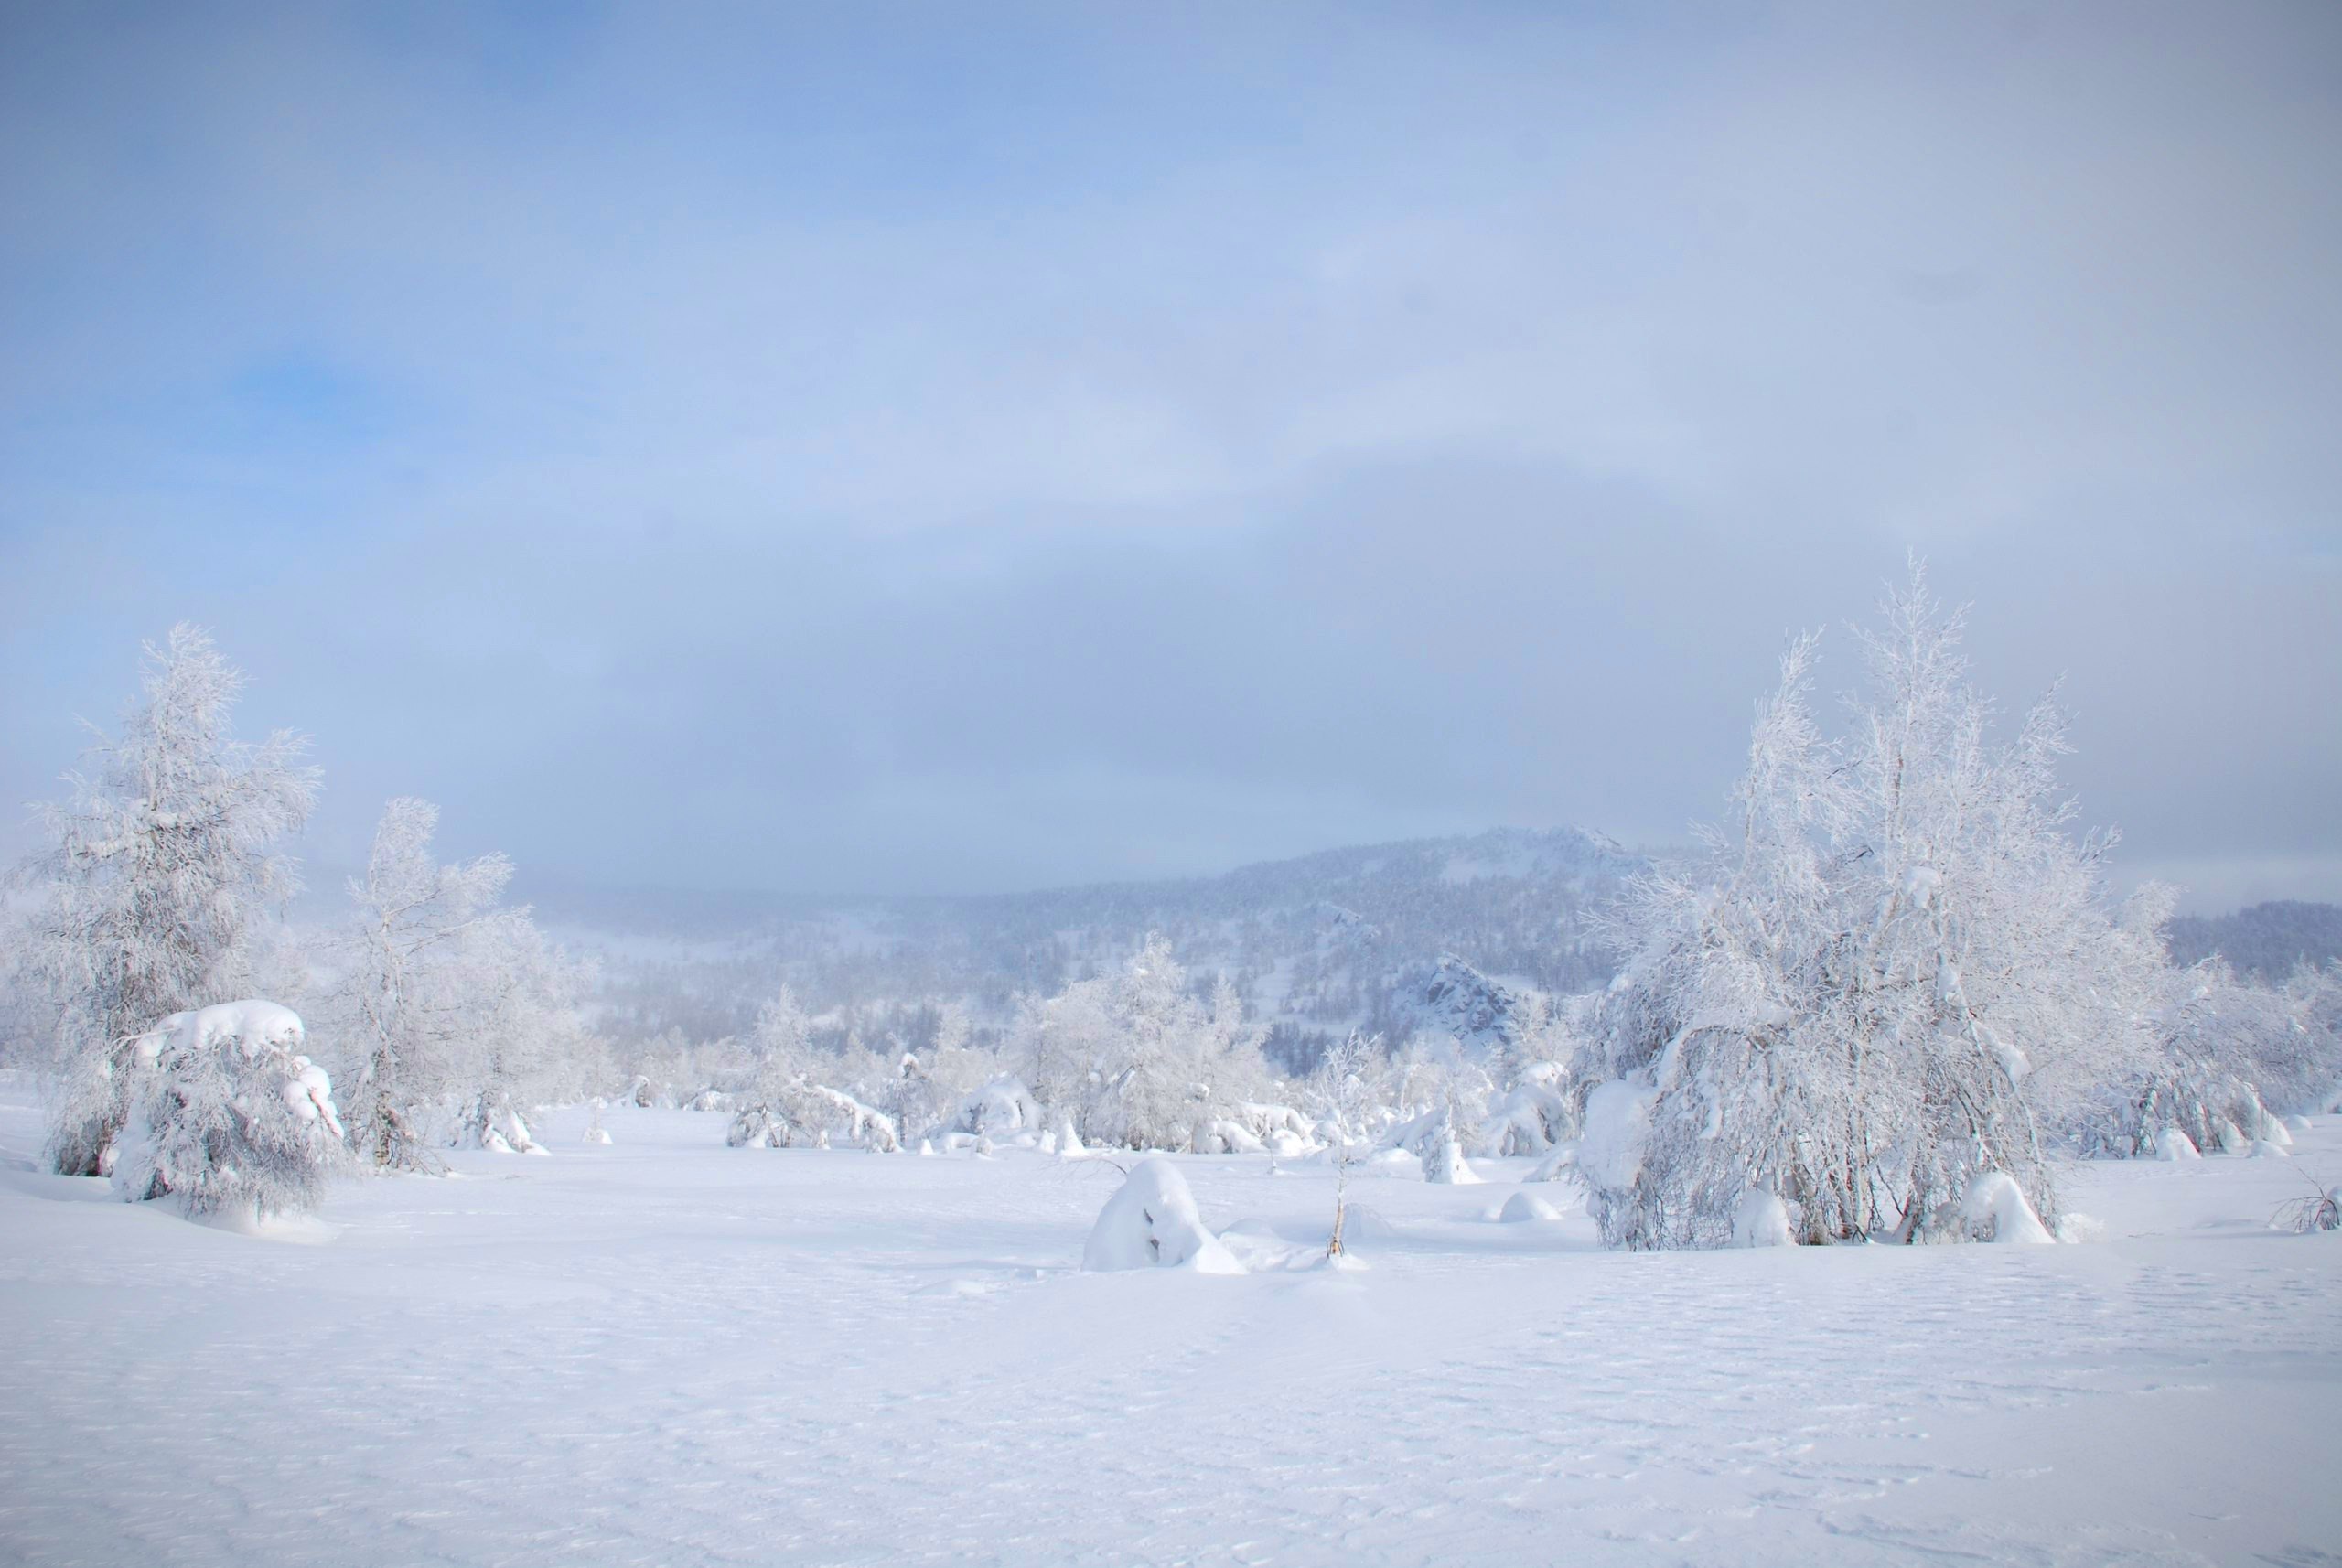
<point x="450" y="1006"/>
<point x="929" y="1088"/>
<point x="532" y="1029"/>
<point x="784" y="1102"/>
<point x="158" y="868"/>
<point x="1891" y="976"/>
<point x="1346" y="1091"/>
<point x="224" y="1114"/>
<point x="414" y="989"/>
<point x="1135" y="1058"/>
<point x="773" y="1108"/>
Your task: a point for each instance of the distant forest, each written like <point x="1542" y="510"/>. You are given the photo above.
<point x="2266" y="941"/>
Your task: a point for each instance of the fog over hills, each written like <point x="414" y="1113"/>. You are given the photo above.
<point x="1352" y="937"/>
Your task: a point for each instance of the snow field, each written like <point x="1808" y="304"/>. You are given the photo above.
<point x="663" y="1351"/>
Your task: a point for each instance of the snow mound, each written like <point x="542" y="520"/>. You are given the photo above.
<point x="1762" y="1220"/>
<point x="2174" y="1143"/>
<point x="1522" y="1207"/>
<point x="1996" y="1210"/>
<point x="1262" y="1250"/>
<point x="1151" y="1222"/>
<point x="2264" y="1149"/>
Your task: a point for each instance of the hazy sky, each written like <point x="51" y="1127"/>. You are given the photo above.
<point x="947" y="448"/>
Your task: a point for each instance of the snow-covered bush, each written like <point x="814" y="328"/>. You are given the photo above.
<point x="783" y="1104"/>
<point x="157" y="869"/>
<point x="1994" y="1209"/>
<point x="224" y="1114"/>
<point x="1152" y="1222"/>
<point x="1762" y="1220"/>
<point x="997" y="1109"/>
<point x="1446" y="1165"/>
<point x="1534" y="1115"/>
<point x="2318" y="1211"/>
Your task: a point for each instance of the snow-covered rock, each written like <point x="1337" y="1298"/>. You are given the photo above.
<point x="1152" y="1222"/>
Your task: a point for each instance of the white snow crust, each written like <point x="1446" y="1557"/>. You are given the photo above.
<point x="660" y="1353"/>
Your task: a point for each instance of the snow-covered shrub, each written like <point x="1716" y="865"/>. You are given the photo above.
<point x="1559" y="1166"/>
<point x="852" y="1121"/>
<point x="1445" y="1164"/>
<point x="2319" y="1211"/>
<point x="1152" y="1222"/>
<point x="929" y="1089"/>
<point x="156" y="869"/>
<point x="490" y="1122"/>
<point x="783" y="1104"/>
<point x="1221" y="1136"/>
<point x="1610" y="1150"/>
<point x="2208" y="1036"/>
<point x="225" y="1115"/>
<point x="1996" y="1209"/>
<point x="1762" y="1220"/>
<point x="997" y="1109"/>
<point x="1534" y="1115"/>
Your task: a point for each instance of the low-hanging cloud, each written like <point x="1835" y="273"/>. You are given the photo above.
<point x="907" y="452"/>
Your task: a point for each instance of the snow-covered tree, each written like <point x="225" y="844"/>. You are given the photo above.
<point x="1133" y="1058"/>
<point x="1346" y="1090"/>
<point x="158" y="868"/>
<point x="449" y="1004"/>
<point x="1890" y="977"/>
<point x="532" y="1027"/>
<point x="774" y="1105"/>
<point x="224" y="1114"/>
<point x="927" y="1089"/>
<point x="413" y="991"/>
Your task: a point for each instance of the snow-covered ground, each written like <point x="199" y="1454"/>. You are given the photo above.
<point x="668" y="1352"/>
